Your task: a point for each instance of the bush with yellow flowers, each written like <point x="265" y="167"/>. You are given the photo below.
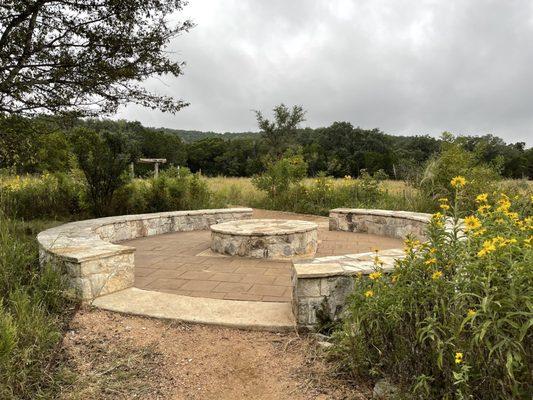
<point x="454" y="318"/>
<point x="41" y="196"/>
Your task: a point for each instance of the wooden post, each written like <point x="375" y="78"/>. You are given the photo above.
<point x="132" y="170"/>
<point x="155" y="161"/>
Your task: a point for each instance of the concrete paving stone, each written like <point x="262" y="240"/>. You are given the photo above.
<point x="267" y="290"/>
<point x="142" y="272"/>
<point x="232" y="287"/>
<point x="243" y="296"/>
<point x="283" y="280"/>
<point x="196" y="275"/>
<point x="275" y="299"/>
<point x="262" y="279"/>
<point x="199" y="285"/>
<point x="208" y="294"/>
<point x="223" y="268"/>
<point x="167" y="283"/>
<point x="167" y="274"/>
<point x="250" y="270"/>
<point x="223" y="277"/>
<point x="244" y="262"/>
<point x="143" y="281"/>
<point x="277" y="272"/>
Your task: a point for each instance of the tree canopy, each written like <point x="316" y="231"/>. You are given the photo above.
<point x="85" y="56"/>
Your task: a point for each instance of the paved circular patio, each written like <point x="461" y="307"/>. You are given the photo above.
<point x="183" y="263"/>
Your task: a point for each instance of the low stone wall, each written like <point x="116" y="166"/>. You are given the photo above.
<point x="321" y="285"/>
<point x="95" y="265"/>
<point x="396" y="224"/>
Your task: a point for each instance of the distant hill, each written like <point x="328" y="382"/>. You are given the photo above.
<point x="192" y="136"/>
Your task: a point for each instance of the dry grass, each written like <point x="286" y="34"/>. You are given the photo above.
<point x="245" y="184"/>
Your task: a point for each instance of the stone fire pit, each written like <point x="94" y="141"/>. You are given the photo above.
<point x="265" y="238"/>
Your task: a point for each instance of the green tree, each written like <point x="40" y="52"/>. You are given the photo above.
<point x="280" y="133"/>
<point x="104" y="158"/>
<point x="85" y="56"/>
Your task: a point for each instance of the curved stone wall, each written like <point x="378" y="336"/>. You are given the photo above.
<point x="87" y="253"/>
<point x="396" y="224"/>
<point x="326" y="282"/>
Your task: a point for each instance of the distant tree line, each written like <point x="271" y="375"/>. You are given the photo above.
<point x="38" y="144"/>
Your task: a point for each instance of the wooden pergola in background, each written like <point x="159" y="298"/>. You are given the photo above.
<point x="155" y="161"/>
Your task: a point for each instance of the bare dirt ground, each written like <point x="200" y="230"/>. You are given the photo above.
<point x="111" y="356"/>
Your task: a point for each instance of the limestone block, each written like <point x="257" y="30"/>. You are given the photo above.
<point x="308" y="288"/>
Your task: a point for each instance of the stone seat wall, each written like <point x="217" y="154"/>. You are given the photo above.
<point x="95" y="265"/>
<point x="324" y="283"/>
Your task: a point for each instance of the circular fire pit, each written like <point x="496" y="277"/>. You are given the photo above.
<point x="265" y="238"/>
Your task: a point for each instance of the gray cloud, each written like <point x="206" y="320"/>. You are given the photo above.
<point x="405" y="66"/>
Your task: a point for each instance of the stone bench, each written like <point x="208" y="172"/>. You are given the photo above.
<point x="87" y="253"/>
<point x="324" y="283"/>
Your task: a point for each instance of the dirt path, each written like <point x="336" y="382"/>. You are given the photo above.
<point x="112" y="356"/>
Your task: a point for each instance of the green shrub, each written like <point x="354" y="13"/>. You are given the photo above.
<point x="279" y="177"/>
<point x="454" y="318"/>
<point x="173" y="189"/>
<point x="454" y="160"/>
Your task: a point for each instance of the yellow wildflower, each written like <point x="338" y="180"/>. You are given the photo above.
<point x="445" y="207"/>
<point x="483" y="209"/>
<point x="375" y="275"/>
<point x="458" y="182"/>
<point x="488" y="247"/>
<point x="527" y="241"/>
<point x="458" y="358"/>
<point x="443" y="200"/>
<point x="438" y="219"/>
<point x="472" y="223"/>
<point x="471" y="312"/>
<point x="394" y="278"/>
<point x="436" y="275"/>
<point x="482" y="198"/>
<point x="479" y="232"/>
<point x="433" y="250"/>
<point x="369" y="293"/>
<point x="512" y="215"/>
<point x="430" y="261"/>
<point x="347" y="177"/>
<point x="504" y="204"/>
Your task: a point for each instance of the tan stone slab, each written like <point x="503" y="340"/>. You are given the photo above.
<point x="196" y="275"/>
<point x="232" y="287"/>
<point x="243" y="296"/>
<point x="270" y="316"/>
<point x="267" y="290"/>
<point x="224" y="277"/>
<point x="262" y="279"/>
<point x="200" y="285"/>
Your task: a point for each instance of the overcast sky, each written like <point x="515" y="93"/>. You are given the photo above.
<point x="404" y="66"/>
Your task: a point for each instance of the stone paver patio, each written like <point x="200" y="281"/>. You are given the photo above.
<point x="182" y="263"/>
